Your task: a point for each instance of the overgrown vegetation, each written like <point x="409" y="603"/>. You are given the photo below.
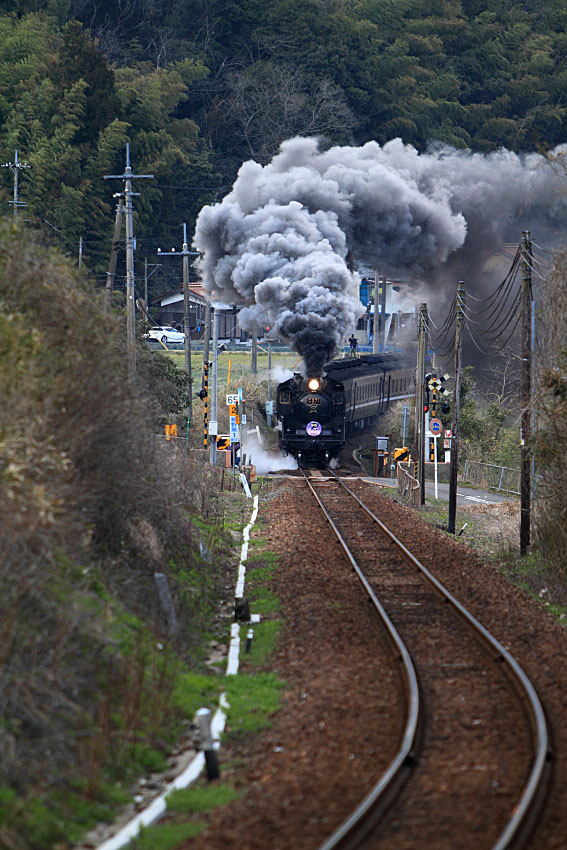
<point x="551" y="434"/>
<point x="253" y="696"/>
<point x="96" y="676"/>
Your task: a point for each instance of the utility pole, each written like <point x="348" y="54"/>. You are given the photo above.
<point x="146" y="286"/>
<point x="114" y="251"/>
<point x="382" y="314"/>
<point x="419" y="432"/>
<point x="525" y="448"/>
<point x="254" y="351"/>
<point x="269" y="415"/>
<point x="213" y="427"/>
<point x="375" y="320"/>
<point x="80" y="252"/>
<point x="130" y="294"/>
<point x="16" y="166"/>
<point x="460" y="317"/>
<point x="185" y="253"/>
<point x="207" y="336"/>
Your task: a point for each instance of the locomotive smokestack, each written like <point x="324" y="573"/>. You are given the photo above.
<point x="279" y="241"/>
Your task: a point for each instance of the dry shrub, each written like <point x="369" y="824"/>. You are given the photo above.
<point x="551" y="405"/>
<point x="92" y="504"/>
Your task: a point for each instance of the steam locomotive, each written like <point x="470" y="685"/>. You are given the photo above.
<point x="315" y="415"/>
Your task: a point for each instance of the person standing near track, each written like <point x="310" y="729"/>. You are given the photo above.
<point x="353" y="342"/>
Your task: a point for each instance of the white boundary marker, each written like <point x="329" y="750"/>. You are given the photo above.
<point x="158" y="806"/>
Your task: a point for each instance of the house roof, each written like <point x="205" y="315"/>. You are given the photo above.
<point x="173" y="295"/>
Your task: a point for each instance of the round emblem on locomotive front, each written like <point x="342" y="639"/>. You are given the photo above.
<point x="309" y="405"/>
<point x="314" y="428"/>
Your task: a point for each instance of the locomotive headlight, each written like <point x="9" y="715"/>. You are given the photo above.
<point x="313" y="384"/>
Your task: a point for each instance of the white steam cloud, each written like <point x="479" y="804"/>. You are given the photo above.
<point x="264" y="460"/>
<point x="283" y="241"/>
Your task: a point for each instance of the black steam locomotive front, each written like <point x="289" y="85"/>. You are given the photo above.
<point x="311" y="419"/>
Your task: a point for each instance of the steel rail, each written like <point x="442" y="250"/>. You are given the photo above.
<point x="529" y="795"/>
<point x="361" y="820"/>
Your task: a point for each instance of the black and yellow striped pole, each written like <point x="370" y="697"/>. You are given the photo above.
<point x="206" y="400"/>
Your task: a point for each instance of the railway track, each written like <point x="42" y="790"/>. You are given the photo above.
<point x="475" y="741"/>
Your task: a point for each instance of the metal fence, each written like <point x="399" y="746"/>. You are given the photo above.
<point x="491" y="476"/>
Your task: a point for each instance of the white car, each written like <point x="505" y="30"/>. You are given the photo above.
<point x="165" y="333"/>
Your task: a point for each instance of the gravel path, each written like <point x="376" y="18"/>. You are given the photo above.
<point x="304" y="774"/>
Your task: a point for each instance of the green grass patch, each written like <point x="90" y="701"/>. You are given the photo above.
<point x="252" y="699"/>
<point x="264" y="602"/>
<point x="148" y="759"/>
<point x="166" y="836"/>
<point x="194" y="691"/>
<point x="263" y="643"/>
<point x="261" y="597"/>
<point x="259" y="575"/>
<point x="202" y="799"/>
<point x="62" y="816"/>
<point x="265" y="558"/>
<point x="258" y="543"/>
<point x="436" y="512"/>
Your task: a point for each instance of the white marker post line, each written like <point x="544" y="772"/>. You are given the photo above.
<point x="245" y="485"/>
<point x="234" y="650"/>
<point x="239" y="592"/>
<point x="158" y="806"/>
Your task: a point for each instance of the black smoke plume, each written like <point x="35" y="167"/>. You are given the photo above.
<point x="284" y="242"/>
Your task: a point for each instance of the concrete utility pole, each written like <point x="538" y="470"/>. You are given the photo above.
<point x="16" y="166"/>
<point x="186" y="253"/>
<point x="207" y="336"/>
<point x="382" y="314"/>
<point x="146" y="287"/>
<point x="269" y="415"/>
<point x="460" y="318"/>
<point x="114" y="251"/>
<point x="130" y="294"/>
<point x="419" y="431"/>
<point x="375" y="320"/>
<point x="214" y="406"/>
<point x="525" y="448"/>
<point x="254" y="365"/>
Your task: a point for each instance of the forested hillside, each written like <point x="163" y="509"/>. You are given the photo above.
<point x="198" y="86"/>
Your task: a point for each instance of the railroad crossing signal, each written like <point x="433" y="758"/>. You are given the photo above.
<point x="435" y="386"/>
<point x="223" y="442"/>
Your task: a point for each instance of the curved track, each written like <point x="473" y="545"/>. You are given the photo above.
<point x="483" y="748"/>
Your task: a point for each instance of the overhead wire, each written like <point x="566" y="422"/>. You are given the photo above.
<point x="503" y="291"/>
<point x="495" y="326"/>
<point x="490" y="339"/>
<point x="502" y="346"/>
<point x="545" y="250"/>
<point x="448" y="321"/>
<point x="493" y="320"/>
<point x="488" y="300"/>
<point x="535" y="271"/>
